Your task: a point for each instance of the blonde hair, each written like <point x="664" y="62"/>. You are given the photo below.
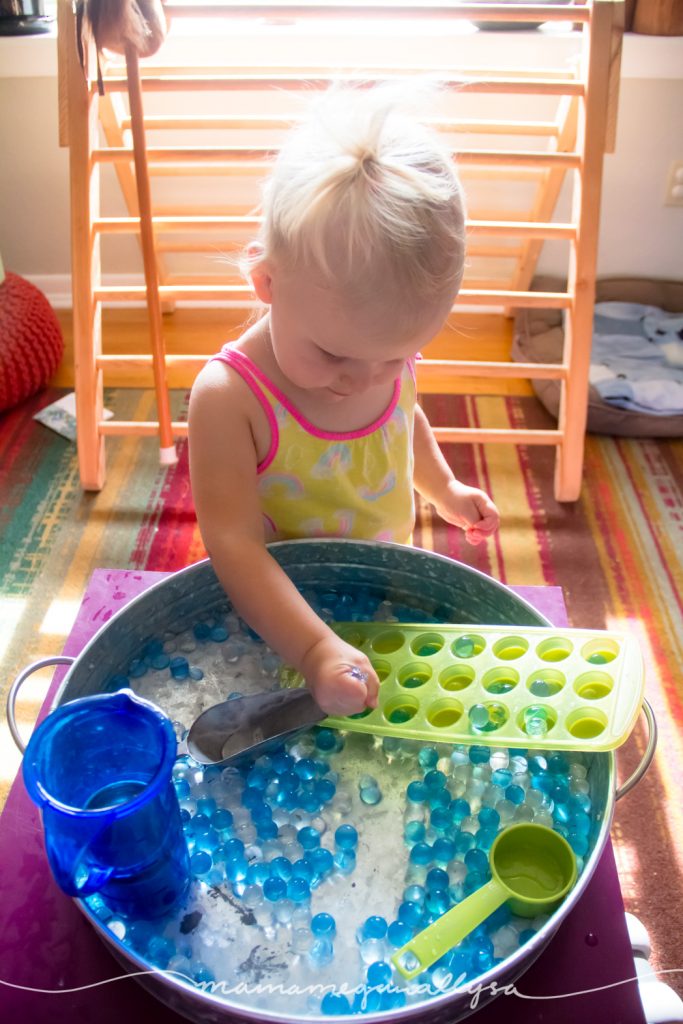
<point x="367" y="196"/>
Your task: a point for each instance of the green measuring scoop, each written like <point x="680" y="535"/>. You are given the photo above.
<point x="533" y="869"/>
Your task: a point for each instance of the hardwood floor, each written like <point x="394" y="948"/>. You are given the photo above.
<point x="475" y="336"/>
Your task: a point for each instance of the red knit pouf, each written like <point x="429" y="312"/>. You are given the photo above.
<point x="31" y="343"/>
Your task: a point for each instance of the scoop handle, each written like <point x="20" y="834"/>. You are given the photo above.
<point x="448" y="930"/>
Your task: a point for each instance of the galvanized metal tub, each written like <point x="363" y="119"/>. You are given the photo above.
<point x="435" y="585"/>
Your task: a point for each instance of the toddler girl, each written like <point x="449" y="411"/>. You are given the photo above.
<point x="308" y="424"/>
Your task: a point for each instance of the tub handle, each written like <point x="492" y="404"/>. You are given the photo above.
<point x="646" y="760"/>
<point x="57" y="659"/>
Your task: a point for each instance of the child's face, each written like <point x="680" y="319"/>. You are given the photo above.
<point x="323" y="344"/>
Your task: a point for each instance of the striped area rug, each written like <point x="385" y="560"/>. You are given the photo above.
<point x="617" y="553"/>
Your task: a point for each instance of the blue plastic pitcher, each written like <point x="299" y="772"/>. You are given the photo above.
<point x="100" y="769"/>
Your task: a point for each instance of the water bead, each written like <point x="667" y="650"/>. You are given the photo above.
<point x="324" y="790"/>
<point x="371" y="796"/>
<point x="476" y="860"/>
<point x="137" y="668"/>
<point x="200" y="863"/>
<point x="201" y="973"/>
<point x="416" y="792"/>
<point x="221" y="819"/>
<point x="515" y="794"/>
<point x="428" y="757"/>
<point x="436" y="878"/>
<point x="421" y="853"/>
<point x="479" y="755"/>
<point x="182" y="788"/>
<point x="434" y="780"/>
<point x="536" y="722"/>
<point x="443" y="850"/>
<point x="302" y="869"/>
<point x="485" y="837"/>
<point x="478" y="715"/>
<point x="346" y="837"/>
<point x="236" y="869"/>
<point x="398" y="933"/>
<point x="345" y="861"/>
<point x="309" y="838"/>
<point x="322" y="862"/>
<point x="218" y="634"/>
<point x="501" y="777"/>
<point x="441" y="819"/>
<point x="206" y="806"/>
<point x="373" y="928"/>
<point x="463" y="842"/>
<point x="274" y="889"/>
<point x="379" y="974"/>
<point x="321" y="952"/>
<point x="180" y="668"/>
<point x="335" y="1004"/>
<point x="464" y="647"/>
<point x="201" y="630"/>
<point x="196" y="673"/>
<point x="324" y="925"/>
<point x="489" y="817"/>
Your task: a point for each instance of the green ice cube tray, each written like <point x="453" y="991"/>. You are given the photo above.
<point x="588" y="684"/>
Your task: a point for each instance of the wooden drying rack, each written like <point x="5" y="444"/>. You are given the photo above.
<point x="582" y="131"/>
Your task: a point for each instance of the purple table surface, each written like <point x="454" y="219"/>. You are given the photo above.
<point x="54" y="968"/>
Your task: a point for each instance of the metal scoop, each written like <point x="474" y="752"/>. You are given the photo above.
<point x="533" y="869"/>
<point x="250" y="724"/>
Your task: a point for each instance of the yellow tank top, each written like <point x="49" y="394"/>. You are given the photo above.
<point x="318" y="483"/>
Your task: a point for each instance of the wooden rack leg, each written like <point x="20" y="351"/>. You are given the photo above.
<point x="82" y="130"/>
<point x="167" y="449"/>
<point x="592" y="129"/>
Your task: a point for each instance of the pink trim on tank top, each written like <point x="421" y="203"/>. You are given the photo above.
<point x="310" y="428"/>
<point x="231" y="357"/>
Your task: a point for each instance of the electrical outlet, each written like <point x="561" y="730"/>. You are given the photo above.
<point x="674" y="185"/>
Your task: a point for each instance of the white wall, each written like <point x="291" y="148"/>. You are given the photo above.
<point x="639" y="235"/>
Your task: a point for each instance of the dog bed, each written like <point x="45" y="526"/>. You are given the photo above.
<point x="539" y="338"/>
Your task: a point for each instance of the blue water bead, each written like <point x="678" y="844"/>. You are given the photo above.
<point x="391" y="745"/>
<point x="434" y="780"/>
<point x="428" y="757"/>
<point x="307" y="799"/>
<point x="305" y="768"/>
<point x="439" y="799"/>
<point x="322" y="861"/>
<point x="266" y="828"/>
<point x="335" y="1004"/>
<point x="421" y="853"/>
<point x="557" y="764"/>
<point x="182" y="788"/>
<point x="441" y="818"/>
<point x="526" y="935"/>
<point x="258" y="873"/>
<point x="410" y="912"/>
<point x="324" y="790"/>
<point x="346" y="837"/>
<point x="561" y="793"/>
<point x="281" y="867"/>
<point x="137" y="668"/>
<point x="561" y="814"/>
<point x="326" y="739"/>
<point x="379" y="974"/>
<point x="460" y="964"/>
<point x="436" y="878"/>
<point x="233" y="847"/>
<point x="201" y="863"/>
<point x="180" y="668"/>
<point x="221" y="819"/>
<point x="578" y="842"/>
<point x="153" y="647"/>
<point x="236" y="868"/>
<point x="460" y="809"/>
<point x="580" y="822"/>
<point x="274" y="889"/>
<point x="302" y="869"/>
<point x="398" y="933"/>
<point x="489" y="817"/>
<point x="414" y="832"/>
<point x="473" y="881"/>
<point x="443" y="850"/>
<point x="479" y="755"/>
<point x="206" y="805"/>
<point x="324" y="925"/>
<point x="476" y="860"/>
<point x="208" y="841"/>
<point x="501" y="777"/>
<point x="298" y="890"/>
<point x="536" y="764"/>
<point x="414" y="894"/>
<point x="290" y="781"/>
<point x="374" y="927"/>
<point x="515" y="794"/>
<point x="282" y="763"/>
<point x="196" y="673"/>
<point x="416" y="793"/>
<point x="371" y="795"/>
<point x="544" y="782"/>
<point x="485" y="837"/>
<point x="218" y="634"/>
<point x="438" y="902"/>
<point x="201" y="630"/>
<point x="200" y="824"/>
<point x="308" y="837"/>
<point x="345" y="861"/>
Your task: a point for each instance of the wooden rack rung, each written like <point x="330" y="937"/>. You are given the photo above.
<point x="460" y="12"/>
<point x="248" y="83"/>
<point x="240" y="122"/>
<point x="201" y="154"/>
<point x="480" y="435"/>
<point x="448" y="369"/>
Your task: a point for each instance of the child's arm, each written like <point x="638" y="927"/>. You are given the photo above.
<point x="223" y="465"/>
<point x="454" y="501"/>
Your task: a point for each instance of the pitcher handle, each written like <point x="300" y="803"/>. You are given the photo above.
<point x="57" y="659"/>
<point x="646" y="759"/>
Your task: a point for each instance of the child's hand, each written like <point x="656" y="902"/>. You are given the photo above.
<point x="470" y="508"/>
<point x="341" y="679"/>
